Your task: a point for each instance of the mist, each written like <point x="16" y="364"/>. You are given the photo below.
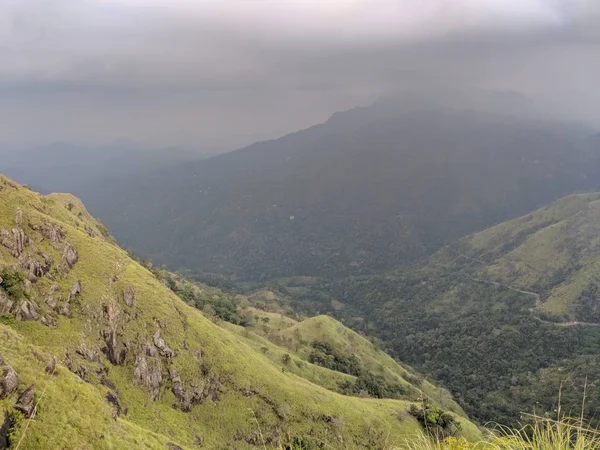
<point x="220" y="75"/>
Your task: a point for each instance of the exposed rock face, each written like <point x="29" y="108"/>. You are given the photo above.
<point x="27" y="310"/>
<point x="20" y="240"/>
<point x="51" y="366"/>
<point x="75" y="290"/>
<point x="149" y="376"/>
<point x="171" y="446"/>
<point x="35" y="269"/>
<point x="70" y="255"/>
<point x="88" y="353"/>
<point x="53" y="232"/>
<point x="14" y="240"/>
<point x="8" y="380"/>
<point x="26" y="402"/>
<point x="111" y="351"/>
<point x="114" y="400"/>
<point x="193" y="395"/>
<point x="19" y="217"/>
<point x="6" y="304"/>
<point x="129" y="296"/>
<point x="162" y="346"/>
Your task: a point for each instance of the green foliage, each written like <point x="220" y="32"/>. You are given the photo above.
<point x="485" y="341"/>
<point x="373" y="386"/>
<point x="302" y="443"/>
<point x="434" y="420"/>
<point x="325" y="355"/>
<point x="222" y="306"/>
<point x="15" y="419"/>
<point x="12" y="283"/>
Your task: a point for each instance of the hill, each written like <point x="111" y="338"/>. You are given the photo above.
<point x="98" y="353"/>
<point x="505" y="318"/>
<point x="369" y="190"/>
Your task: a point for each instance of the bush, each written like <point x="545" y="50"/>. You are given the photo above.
<point x="12" y="283"/>
<point x="435" y="420"/>
<point x="325" y="355"/>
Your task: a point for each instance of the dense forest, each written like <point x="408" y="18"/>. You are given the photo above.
<point x="479" y="340"/>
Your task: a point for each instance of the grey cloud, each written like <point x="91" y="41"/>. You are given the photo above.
<point x="186" y="73"/>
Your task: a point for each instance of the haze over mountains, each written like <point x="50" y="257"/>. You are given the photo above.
<point x="370" y="189"/>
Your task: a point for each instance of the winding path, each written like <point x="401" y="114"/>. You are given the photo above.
<point x="538" y="299"/>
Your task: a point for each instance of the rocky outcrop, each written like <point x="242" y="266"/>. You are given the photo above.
<point x="6" y="304"/>
<point x="162" y="346"/>
<point x="114" y="355"/>
<point x="52" y="232"/>
<point x="51" y="366"/>
<point x="8" y="379"/>
<point x="148" y="375"/>
<point x="75" y="290"/>
<point x="129" y="296"/>
<point x="26" y="402"/>
<point x="194" y="395"/>
<point x="88" y="353"/>
<point x="26" y="310"/>
<point x="35" y="269"/>
<point x="70" y="255"/>
<point x="14" y="240"/>
<point x="171" y="446"/>
<point x="113" y="399"/>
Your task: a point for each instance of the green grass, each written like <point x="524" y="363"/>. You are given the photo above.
<point x="254" y="391"/>
<point x="554" y="251"/>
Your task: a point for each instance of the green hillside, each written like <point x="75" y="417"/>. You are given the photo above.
<point x="554" y="251"/>
<point x="503" y="318"/>
<point x="117" y="360"/>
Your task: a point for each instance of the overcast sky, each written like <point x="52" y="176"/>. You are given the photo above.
<point x="223" y="73"/>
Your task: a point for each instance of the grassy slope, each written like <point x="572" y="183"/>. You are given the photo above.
<point x="73" y="412"/>
<point x="275" y="334"/>
<point x="554" y="251"/>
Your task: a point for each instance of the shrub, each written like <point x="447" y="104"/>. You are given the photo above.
<point x="12" y="283"/>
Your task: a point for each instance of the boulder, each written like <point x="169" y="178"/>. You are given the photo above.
<point x="70" y="255"/>
<point x="26" y="402"/>
<point x="9" y="381"/>
<point x="75" y="290"/>
<point x="27" y="310"/>
<point x="129" y="296"/>
<point x="148" y="375"/>
<point x="162" y="346"/>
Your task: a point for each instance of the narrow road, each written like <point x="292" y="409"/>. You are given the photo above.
<point x="538" y="299"/>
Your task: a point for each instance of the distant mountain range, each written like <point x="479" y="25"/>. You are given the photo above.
<point x="65" y="167"/>
<point x="370" y="189"/>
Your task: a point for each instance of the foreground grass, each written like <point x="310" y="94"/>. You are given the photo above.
<point x="542" y="434"/>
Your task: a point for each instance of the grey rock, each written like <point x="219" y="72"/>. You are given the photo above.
<point x="162" y="346"/>
<point x="129" y="296"/>
<point x="9" y="381"/>
<point x="26" y="402"/>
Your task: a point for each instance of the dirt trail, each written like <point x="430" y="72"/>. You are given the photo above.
<point x="538" y="299"/>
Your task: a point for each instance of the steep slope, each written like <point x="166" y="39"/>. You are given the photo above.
<point x="319" y="349"/>
<point x="554" y="251"/>
<point x="504" y="317"/>
<point x="116" y="360"/>
<point x="368" y="190"/>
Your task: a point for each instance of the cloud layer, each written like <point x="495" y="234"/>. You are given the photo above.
<point x="223" y="73"/>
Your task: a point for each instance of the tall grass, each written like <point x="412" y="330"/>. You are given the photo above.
<point x="541" y="434"/>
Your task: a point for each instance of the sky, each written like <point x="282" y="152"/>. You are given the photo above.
<point x="220" y="74"/>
